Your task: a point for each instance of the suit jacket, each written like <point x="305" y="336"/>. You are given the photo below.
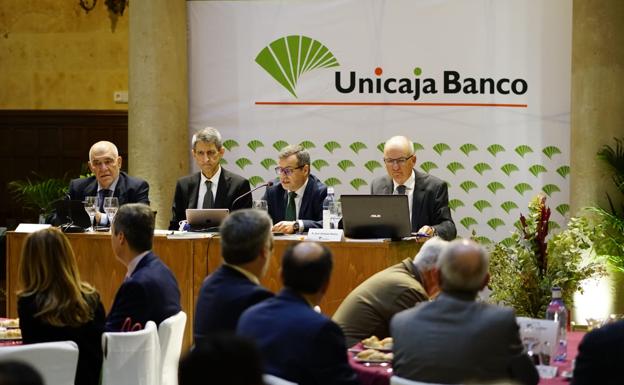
<point x="455" y="339"/>
<point x="600" y="356"/>
<point x="311" y="210"/>
<point x="367" y="310"/>
<point x="297" y="343"/>
<point x="230" y="187"/>
<point x="429" y="203"/>
<point x="128" y="190"/>
<point x="87" y="336"/>
<point x="223" y="297"/>
<point x="151" y="293"/>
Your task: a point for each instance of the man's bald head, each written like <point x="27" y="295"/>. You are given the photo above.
<point x="105" y="162"/>
<point x="463" y="266"/>
<point x="306" y="267"/>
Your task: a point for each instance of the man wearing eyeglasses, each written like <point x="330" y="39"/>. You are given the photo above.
<point x="108" y="181"/>
<point x="296" y="202"/>
<point x="427" y="195"/>
<point x="213" y="187"/>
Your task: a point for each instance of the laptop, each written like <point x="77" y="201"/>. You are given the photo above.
<point x="376" y="216"/>
<point x="71" y="212"/>
<point x="206" y="219"/>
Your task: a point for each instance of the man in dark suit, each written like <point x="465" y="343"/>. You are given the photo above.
<point x="297" y="343"/>
<point x="296" y="202"/>
<point x="212" y="187"/>
<point x="600" y="355"/>
<point x="454" y="339"/>
<point x="246" y="247"/>
<point x="428" y="195"/>
<point x="150" y="291"/>
<point x="367" y="310"/>
<point x="108" y="181"/>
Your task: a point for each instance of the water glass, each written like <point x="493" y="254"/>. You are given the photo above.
<point x="111" y="205"/>
<point x="91" y="207"/>
<point x="335" y="214"/>
<point x="260" y="204"/>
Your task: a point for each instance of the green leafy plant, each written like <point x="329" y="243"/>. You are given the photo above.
<point x="39" y="194"/>
<point x="526" y="266"/>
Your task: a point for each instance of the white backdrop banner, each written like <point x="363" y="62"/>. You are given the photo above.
<point x="482" y="87"/>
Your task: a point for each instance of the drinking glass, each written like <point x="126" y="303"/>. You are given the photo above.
<point x="260" y="204"/>
<point x="111" y="205"/>
<point x="335" y="214"/>
<point x="91" y="207"/>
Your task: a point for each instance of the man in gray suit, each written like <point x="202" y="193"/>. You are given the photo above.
<point x="455" y="339"/>
<point x="427" y="195"/>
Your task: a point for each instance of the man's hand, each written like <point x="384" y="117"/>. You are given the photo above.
<point x="285" y="227"/>
<point x="98" y="216"/>
<point x="428" y="230"/>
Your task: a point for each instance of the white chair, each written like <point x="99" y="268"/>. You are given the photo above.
<point x="55" y="361"/>
<point x="171" y="334"/>
<point x="270" y="379"/>
<point x="131" y="358"/>
<point x="396" y="380"/>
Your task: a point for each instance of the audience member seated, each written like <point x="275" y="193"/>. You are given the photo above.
<point x="367" y="310"/>
<point x="246" y="247"/>
<point x="107" y="181"/>
<point x="600" y="355"/>
<point x="212" y="187"/>
<point x="297" y="343"/>
<point x="55" y="305"/>
<point x="296" y="202"/>
<point x="455" y="339"/>
<point x="19" y="373"/>
<point x="223" y="359"/>
<point x="150" y="291"/>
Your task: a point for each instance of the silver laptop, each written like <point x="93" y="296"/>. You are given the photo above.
<point x="376" y="216"/>
<point x="206" y="219"/>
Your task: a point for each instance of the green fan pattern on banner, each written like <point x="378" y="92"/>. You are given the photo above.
<point x="479" y="174"/>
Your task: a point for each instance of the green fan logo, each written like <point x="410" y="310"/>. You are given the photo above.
<point x="287" y="58"/>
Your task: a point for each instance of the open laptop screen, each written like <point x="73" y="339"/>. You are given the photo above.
<point x="376" y="216"/>
<point x="206" y="219"/>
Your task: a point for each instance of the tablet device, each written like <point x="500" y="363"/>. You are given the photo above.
<point x="376" y="216"/>
<point x="208" y="219"/>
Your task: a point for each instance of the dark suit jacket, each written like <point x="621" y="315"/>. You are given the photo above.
<point x="151" y="293"/>
<point x="128" y="190"/>
<point x="297" y="343"/>
<point x="311" y="210"/>
<point x="429" y="204"/>
<point x="600" y="356"/>
<point x="455" y="339"/>
<point x="367" y="310"/>
<point x="231" y="186"/>
<point x="223" y="297"/>
<point x="88" y="336"/>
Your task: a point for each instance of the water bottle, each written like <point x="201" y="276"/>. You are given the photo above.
<point x="556" y="311"/>
<point x="329" y="200"/>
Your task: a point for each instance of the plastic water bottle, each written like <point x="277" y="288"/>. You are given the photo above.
<point x="329" y="200"/>
<point x="557" y="311"/>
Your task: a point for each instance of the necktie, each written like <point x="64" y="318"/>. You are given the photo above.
<point x="103" y="193"/>
<point x="291" y="209"/>
<point x="401" y="190"/>
<point x="208" y="198"/>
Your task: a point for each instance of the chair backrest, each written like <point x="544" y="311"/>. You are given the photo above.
<point x="131" y="358"/>
<point x="170" y="335"/>
<point x="55" y="361"/>
<point x="270" y="379"/>
<point x="396" y="380"/>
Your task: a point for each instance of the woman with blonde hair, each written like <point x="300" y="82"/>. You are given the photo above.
<point x="55" y="305"/>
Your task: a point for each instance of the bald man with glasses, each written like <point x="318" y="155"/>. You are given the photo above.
<point x="296" y="202"/>
<point x="427" y="195"/>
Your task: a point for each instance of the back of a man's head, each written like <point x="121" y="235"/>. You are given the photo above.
<point x="19" y="373"/>
<point x="244" y="234"/>
<point x="427" y="257"/>
<point x="136" y="222"/>
<point x="463" y="266"/>
<point x="306" y="267"/>
<point x="224" y="359"/>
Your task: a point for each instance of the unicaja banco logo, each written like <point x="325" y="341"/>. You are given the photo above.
<point x="287" y="58"/>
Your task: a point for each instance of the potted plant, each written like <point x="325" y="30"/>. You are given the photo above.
<point x="524" y="270"/>
<point x="40" y="194"/>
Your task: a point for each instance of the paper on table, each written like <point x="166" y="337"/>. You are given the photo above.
<point x="30" y="227"/>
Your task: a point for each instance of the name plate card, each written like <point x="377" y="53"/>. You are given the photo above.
<point x="546" y="371"/>
<point x="30" y="227"/>
<point x="325" y="235"/>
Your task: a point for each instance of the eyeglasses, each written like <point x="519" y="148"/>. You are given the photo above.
<point x="286" y="170"/>
<point x="104" y="162"/>
<point x="397" y="161"/>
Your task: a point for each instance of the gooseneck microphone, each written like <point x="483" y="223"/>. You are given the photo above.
<point x="266" y="184"/>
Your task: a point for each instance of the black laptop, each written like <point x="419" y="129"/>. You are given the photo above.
<point x="376" y="216"/>
<point x="71" y="212"/>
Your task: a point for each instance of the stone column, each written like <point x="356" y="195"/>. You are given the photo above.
<point x="158" y="142"/>
<point x="597" y="111"/>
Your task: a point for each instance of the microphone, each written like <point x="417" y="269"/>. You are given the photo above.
<point x="266" y="184"/>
